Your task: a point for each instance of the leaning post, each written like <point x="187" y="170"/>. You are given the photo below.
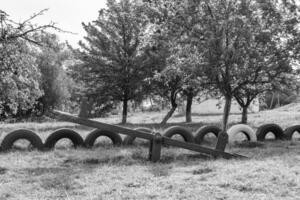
<point x="222" y="141"/>
<point x="155" y="147"/>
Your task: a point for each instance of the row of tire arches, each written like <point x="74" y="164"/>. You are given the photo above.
<point x="76" y="139"/>
<point x="198" y="137"/>
<point x="260" y="134"/>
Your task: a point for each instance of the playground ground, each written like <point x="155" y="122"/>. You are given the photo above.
<point x="106" y="172"/>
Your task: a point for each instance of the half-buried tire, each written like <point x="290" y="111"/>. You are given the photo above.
<point x="266" y="128"/>
<point x="241" y="128"/>
<point x="128" y="140"/>
<point x="13" y="136"/>
<point x="289" y="132"/>
<point x="178" y="130"/>
<point x="204" y="130"/>
<point x="92" y="136"/>
<point x="54" y="137"/>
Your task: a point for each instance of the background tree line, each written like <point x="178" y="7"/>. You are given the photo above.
<point x="173" y="49"/>
<point x="32" y="77"/>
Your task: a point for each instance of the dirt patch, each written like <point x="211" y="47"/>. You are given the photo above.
<point x="159" y="170"/>
<point x="200" y="171"/>
<point x="3" y="170"/>
<point x="249" y="144"/>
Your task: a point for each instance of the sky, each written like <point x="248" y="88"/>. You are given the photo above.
<point x="67" y="14"/>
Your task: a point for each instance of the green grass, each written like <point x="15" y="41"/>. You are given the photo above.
<point x="271" y="172"/>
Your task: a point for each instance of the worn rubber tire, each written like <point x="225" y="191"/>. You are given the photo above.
<point x="204" y="130"/>
<point x="289" y="132"/>
<point x="274" y="128"/>
<point x="92" y="136"/>
<point x="241" y="128"/>
<point x="185" y="133"/>
<point x="13" y="136"/>
<point x="128" y="140"/>
<point x="54" y="137"/>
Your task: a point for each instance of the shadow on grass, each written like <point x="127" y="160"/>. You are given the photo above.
<point x="265" y="149"/>
<point x="249" y="144"/>
<point x="121" y="156"/>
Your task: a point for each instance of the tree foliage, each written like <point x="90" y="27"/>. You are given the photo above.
<point x="19" y="87"/>
<point x="170" y="36"/>
<point x="19" y="73"/>
<point x="113" y="63"/>
<point x="250" y="48"/>
<point x="51" y="59"/>
<point x="243" y="47"/>
<point x="11" y="31"/>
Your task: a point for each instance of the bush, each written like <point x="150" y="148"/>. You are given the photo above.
<point x="273" y="100"/>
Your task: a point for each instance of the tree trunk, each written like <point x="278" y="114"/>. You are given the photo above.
<point x="188" y="112"/>
<point x="244" y="115"/>
<point x="226" y="112"/>
<point x="170" y="113"/>
<point x="84" y="108"/>
<point x="271" y="104"/>
<point x="124" y="112"/>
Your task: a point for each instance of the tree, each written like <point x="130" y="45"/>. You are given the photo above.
<point x="270" y="52"/>
<point x="168" y="85"/>
<point x="247" y="53"/>
<point x="19" y="87"/>
<point x="186" y="60"/>
<point x="111" y="55"/>
<point x="246" y="94"/>
<point x="11" y="31"/>
<point x="170" y="34"/>
<point x="56" y="85"/>
<point x="242" y="46"/>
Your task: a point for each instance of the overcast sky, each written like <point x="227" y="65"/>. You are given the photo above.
<point x="68" y="14"/>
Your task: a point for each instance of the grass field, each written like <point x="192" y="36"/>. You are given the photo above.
<point x="106" y="172"/>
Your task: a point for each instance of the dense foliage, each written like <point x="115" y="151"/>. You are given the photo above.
<point x="171" y="49"/>
<point x="19" y="74"/>
<point x="113" y="67"/>
<point x="243" y="48"/>
<point x="29" y="56"/>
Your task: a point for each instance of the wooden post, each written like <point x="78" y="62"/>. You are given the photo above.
<point x="155" y="148"/>
<point x="222" y="141"/>
<point x="84" y="108"/>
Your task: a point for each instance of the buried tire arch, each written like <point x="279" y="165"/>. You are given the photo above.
<point x="204" y="130"/>
<point x="92" y="136"/>
<point x="241" y="128"/>
<point x="290" y="131"/>
<point x="263" y="130"/>
<point x="178" y="130"/>
<point x="10" y="138"/>
<point x="59" y="134"/>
